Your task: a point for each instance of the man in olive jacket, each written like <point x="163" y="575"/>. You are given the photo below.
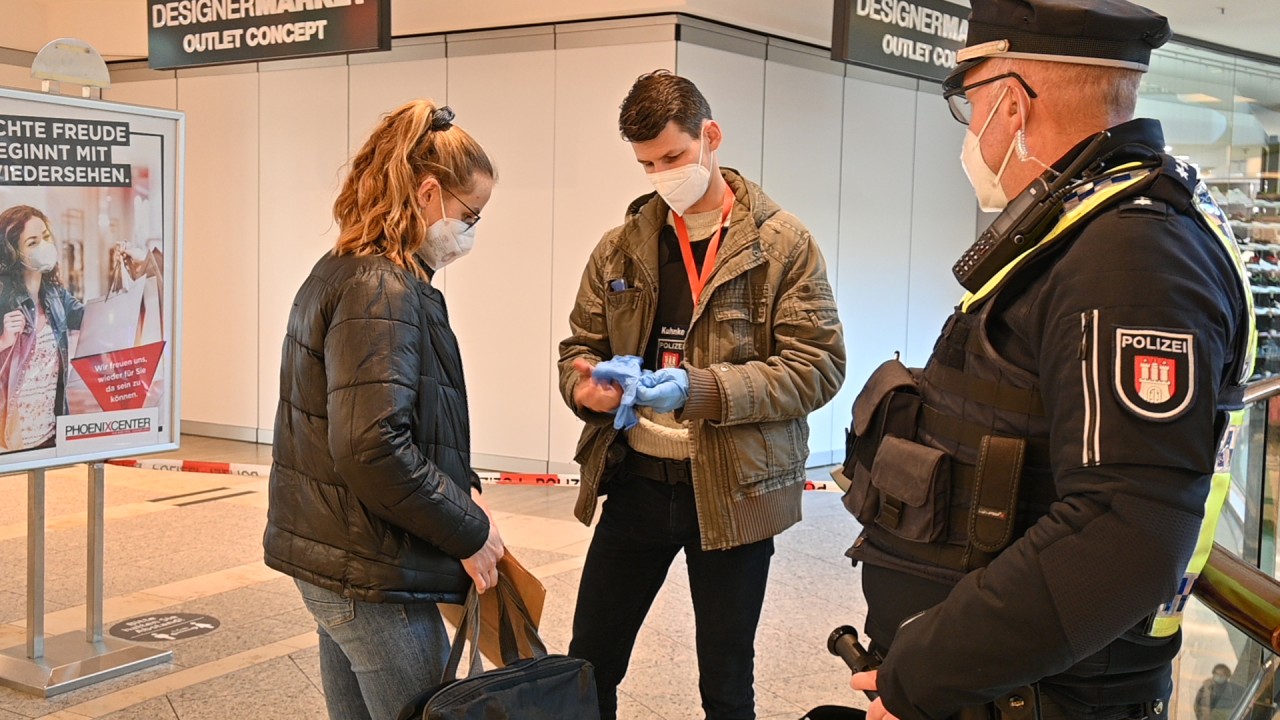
<point x="726" y="294"/>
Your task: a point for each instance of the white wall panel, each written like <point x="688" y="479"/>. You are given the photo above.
<point x="220" y="280"/>
<point x="943" y="218"/>
<point x="499" y="295"/>
<point x="596" y="177"/>
<point x="802" y="164"/>
<point x="152" y="93"/>
<point x="377" y="89"/>
<point x="875" y="230"/>
<point x="303" y="148"/>
<point x="13" y="76"/>
<point x="734" y="86"/>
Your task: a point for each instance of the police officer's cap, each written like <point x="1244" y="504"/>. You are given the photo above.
<point x="1113" y="33"/>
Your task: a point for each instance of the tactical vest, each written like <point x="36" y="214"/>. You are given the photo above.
<point x="949" y="465"/>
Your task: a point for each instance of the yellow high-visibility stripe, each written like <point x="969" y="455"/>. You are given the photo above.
<point x="1068" y="219"/>
<point x="1168" y="619"/>
<point x="1229" y="242"/>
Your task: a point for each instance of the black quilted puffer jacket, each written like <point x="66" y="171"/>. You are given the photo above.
<point x="370" y="485"/>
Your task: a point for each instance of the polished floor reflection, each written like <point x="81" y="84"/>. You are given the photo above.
<point x="191" y="543"/>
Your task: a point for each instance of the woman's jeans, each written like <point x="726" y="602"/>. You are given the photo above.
<point x="375" y="657"/>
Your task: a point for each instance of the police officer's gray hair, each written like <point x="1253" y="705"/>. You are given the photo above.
<point x="1086" y="89"/>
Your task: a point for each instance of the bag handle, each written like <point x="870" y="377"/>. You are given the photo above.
<point x="509" y="603"/>
<point x="468" y="630"/>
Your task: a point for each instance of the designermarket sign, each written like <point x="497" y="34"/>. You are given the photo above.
<point x="918" y="38"/>
<point x="189" y="33"/>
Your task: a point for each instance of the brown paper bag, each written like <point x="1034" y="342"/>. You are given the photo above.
<point x="531" y="591"/>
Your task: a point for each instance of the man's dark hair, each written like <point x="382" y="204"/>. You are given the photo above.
<point x="658" y="98"/>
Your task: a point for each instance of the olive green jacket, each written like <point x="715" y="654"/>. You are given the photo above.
<point x="765" y="349"/>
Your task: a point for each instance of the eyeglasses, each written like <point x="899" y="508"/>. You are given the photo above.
<point x="958" y="99"/>
<point x="475" y="216"/>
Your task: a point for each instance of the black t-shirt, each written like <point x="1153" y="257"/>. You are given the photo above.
<point x="675" y="301"/>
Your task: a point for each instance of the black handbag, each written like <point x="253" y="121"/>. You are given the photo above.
<point x="531" y="685"/>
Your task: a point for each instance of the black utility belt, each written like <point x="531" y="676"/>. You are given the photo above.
<point x="662" y="470"/>
<point x="1031" y="703"/>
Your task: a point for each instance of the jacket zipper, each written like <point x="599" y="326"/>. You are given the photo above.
<point x="1089" y="387"/>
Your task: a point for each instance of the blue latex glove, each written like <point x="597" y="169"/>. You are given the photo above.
<point x="665" y="391"/>
<point x="624" y="370"/>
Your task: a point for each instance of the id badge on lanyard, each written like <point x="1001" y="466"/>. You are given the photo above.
<point x="671" y="340"/>
<point x="698" y="281"/>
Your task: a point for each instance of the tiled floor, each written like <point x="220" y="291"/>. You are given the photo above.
<point x="201" y="553"/>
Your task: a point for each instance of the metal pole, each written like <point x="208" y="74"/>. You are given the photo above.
<point x="1258" y="694"/>
<point x="35" y="564"/>
<point x="96" y="517"/>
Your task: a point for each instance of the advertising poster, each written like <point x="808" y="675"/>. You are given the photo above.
<point x="89" y="246"/>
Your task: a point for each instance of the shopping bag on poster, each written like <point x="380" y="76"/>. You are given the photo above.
<point x="127" y="319"/>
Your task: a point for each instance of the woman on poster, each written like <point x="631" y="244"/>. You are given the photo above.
<point x="38" y="313"/>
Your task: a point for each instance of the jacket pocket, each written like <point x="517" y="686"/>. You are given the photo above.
<point x="765" y="456"/>
<point x="625" y="321"/>
<point x="740" y="309"/>
<point x="733" y="333"/>
<point x="912" y="480"/>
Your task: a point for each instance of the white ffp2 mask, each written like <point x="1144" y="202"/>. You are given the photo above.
<point x="447" y="240"/>
<point x="985" y="182"/>
<point x="683" y="186"/>
<point x="42" y="257"/>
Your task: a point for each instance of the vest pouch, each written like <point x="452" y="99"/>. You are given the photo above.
<point x="912" y="481"/>
<point x="892" y="376"/>
<point x="889" y="404"/>
<point x="993" y="511"/>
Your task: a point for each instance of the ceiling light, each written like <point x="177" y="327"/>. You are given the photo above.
<point x="1198" y="98"/>
<point x="1246" y="100"/>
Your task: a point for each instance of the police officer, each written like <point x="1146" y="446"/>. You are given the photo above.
<point x="1037" y="500"/>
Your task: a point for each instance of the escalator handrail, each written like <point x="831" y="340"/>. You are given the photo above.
<point x="1242" y="595"/>
<point x="1234" y="590"/>
<point x="1261" y="390"/>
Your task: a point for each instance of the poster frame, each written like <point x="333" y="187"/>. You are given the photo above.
<point x="168" y="438"/>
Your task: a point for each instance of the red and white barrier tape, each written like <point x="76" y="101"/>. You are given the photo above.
<point x="488" y="478"/>
<point x="217" y="468"/>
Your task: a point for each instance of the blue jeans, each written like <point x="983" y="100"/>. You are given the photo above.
<point x="643" y="526"/>
<point x="375" y="657"/>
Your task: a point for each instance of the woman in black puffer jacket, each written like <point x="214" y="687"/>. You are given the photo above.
<point x="374" y="509"/>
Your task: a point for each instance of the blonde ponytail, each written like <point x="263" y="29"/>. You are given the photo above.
<point x="377" y="210"/>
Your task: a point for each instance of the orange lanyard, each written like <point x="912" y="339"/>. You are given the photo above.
<point x="698" y="282"/>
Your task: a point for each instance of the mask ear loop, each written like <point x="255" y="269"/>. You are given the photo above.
<point x="702" y="143"/>
<point x="1003" y="91"/>
<point x="1008" y="155"/>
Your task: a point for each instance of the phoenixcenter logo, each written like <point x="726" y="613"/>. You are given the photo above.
<point x="85" y="431"/>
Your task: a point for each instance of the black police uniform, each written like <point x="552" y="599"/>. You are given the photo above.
<point x="1034" y="494"/>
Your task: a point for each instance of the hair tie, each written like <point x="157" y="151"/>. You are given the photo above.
<point x="442" y="118"/>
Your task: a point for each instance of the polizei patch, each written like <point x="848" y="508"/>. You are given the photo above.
<point x="1155" y="372"/>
